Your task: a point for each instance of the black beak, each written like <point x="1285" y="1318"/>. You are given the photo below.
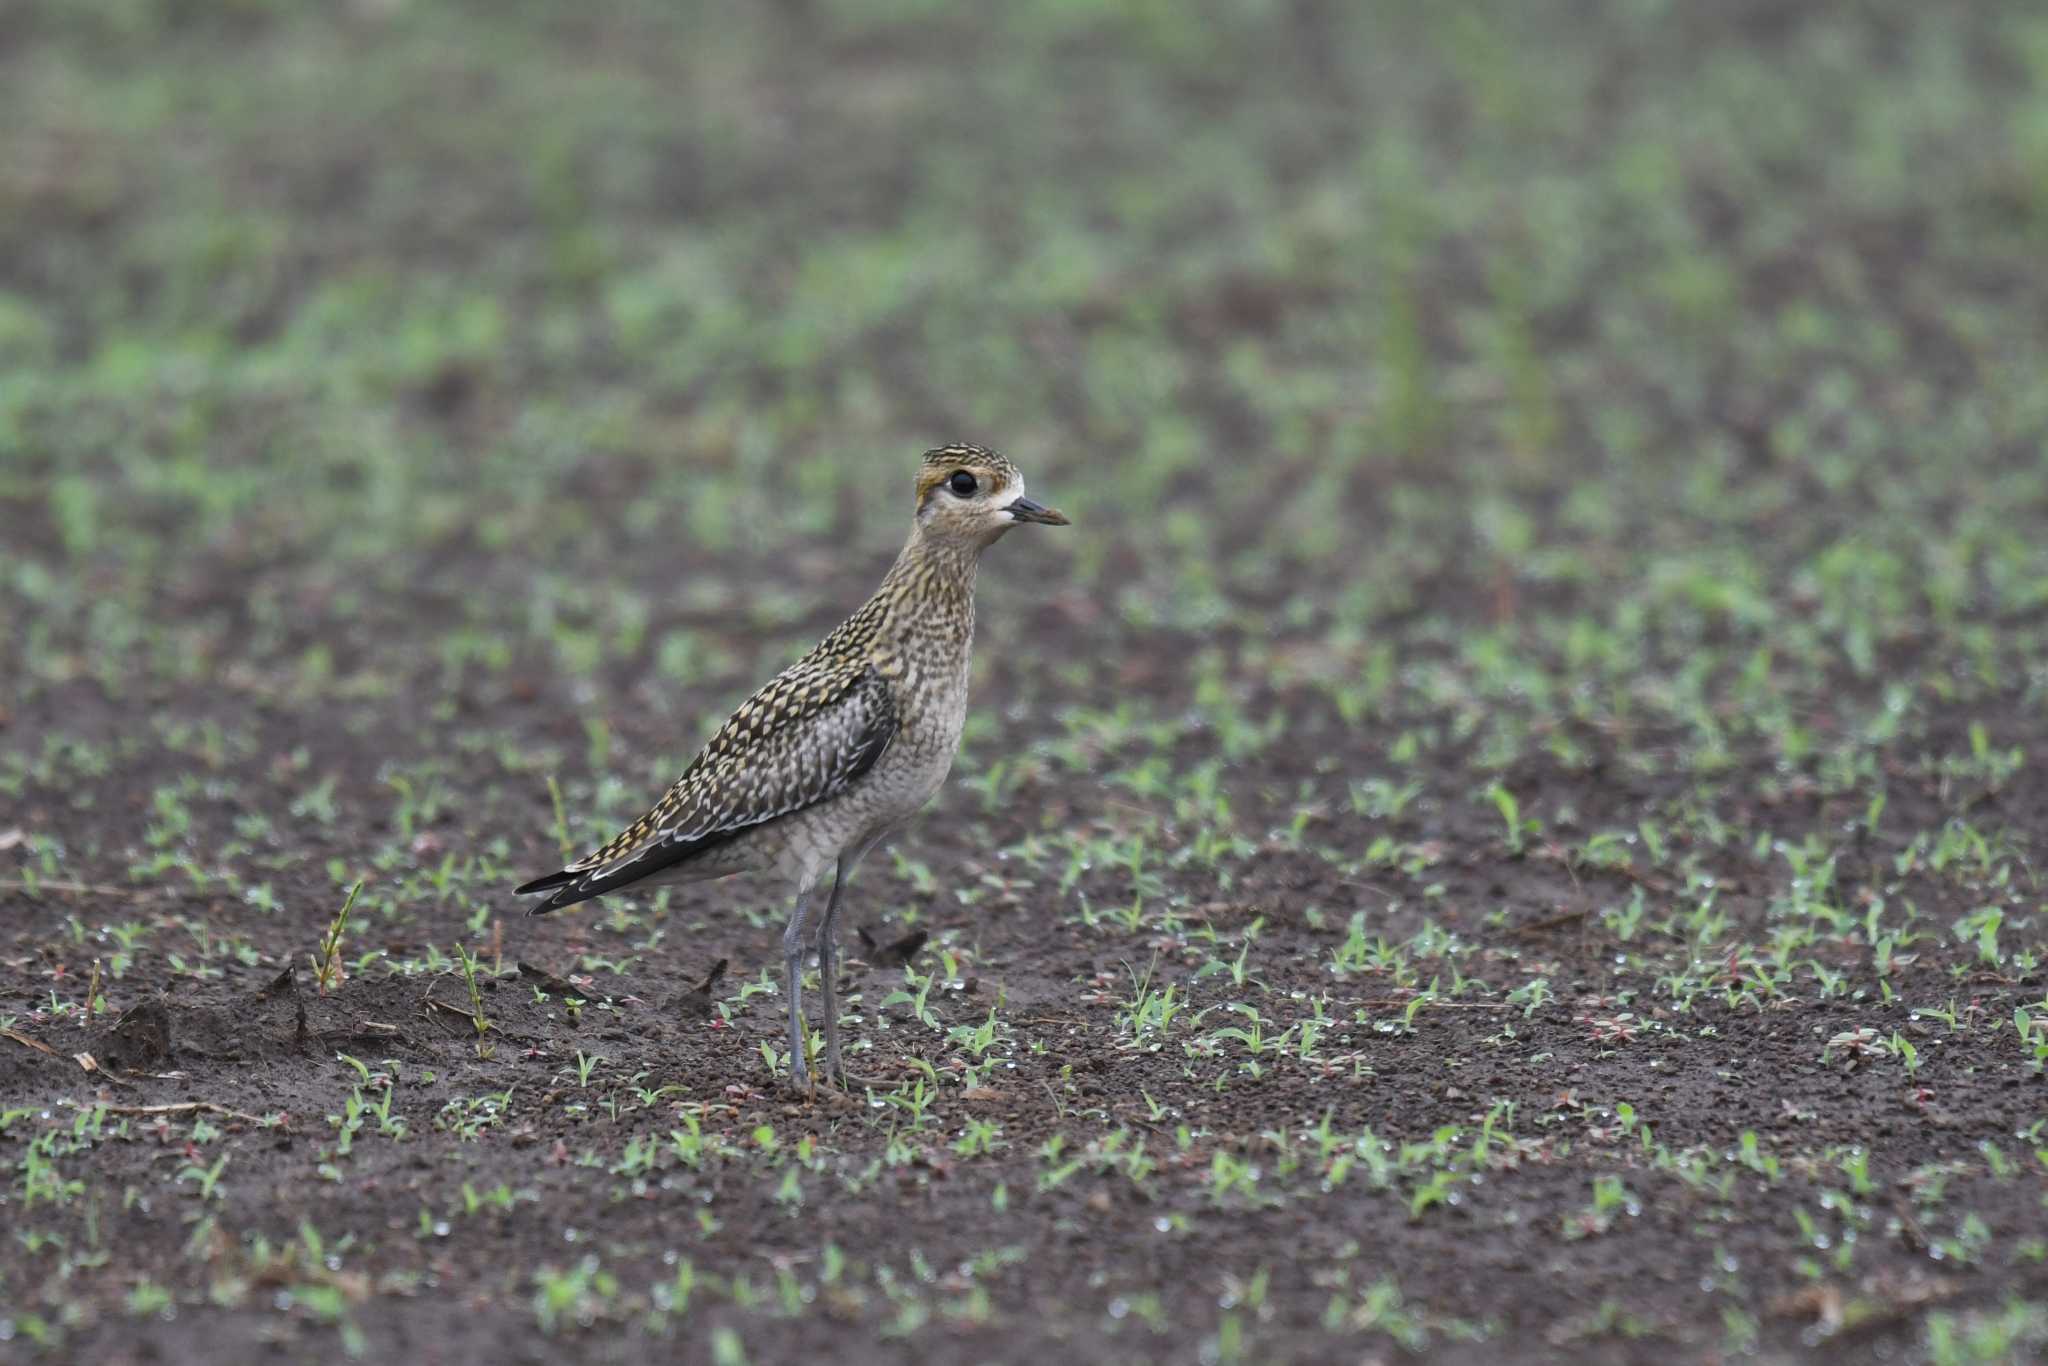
<point x="1024" y="510"/>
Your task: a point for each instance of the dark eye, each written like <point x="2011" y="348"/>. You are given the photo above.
<point x="962" y="483"/>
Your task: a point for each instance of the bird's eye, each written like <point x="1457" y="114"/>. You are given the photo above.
<point x="962" y="483"/>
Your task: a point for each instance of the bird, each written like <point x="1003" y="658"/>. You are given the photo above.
<point x="841" y="748"/>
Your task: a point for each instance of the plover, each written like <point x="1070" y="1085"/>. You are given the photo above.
<point x="840" y="748"/>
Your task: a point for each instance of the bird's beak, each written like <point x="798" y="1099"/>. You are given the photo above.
<point x="1024" y="510"/>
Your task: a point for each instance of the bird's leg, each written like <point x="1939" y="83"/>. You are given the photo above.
<point x="828" y="973"/>
<point x="793" y="959"/>
<point x="828" y="964"/>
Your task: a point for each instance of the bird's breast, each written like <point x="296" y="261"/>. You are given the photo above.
<point x="931" y="710"/>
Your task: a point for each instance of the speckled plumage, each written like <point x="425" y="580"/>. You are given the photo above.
<point x="845" y="744"/>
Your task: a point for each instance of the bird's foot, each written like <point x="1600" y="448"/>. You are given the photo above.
<point x="851" y="1082"/>
<point x="837" y="1075"/>
<point x="817" y="1087"/>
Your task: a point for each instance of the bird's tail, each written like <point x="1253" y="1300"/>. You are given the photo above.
<point x="566" y="889"/>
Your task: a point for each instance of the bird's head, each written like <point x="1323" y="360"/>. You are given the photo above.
<point x="973" y="495"/>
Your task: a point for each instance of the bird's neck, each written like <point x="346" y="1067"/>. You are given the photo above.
<point x="931" y="585"/>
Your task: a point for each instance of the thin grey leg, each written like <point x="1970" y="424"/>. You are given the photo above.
<point x="828" y="959"/>
<point x="793" y="960"/>
<point x="828" y="973"/>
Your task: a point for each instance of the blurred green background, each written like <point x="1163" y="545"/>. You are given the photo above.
<point x="1314" y="313"/>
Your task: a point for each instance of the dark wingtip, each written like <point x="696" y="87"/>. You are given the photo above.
<point x="544" y="884"/>
<point x="563" y="889"/>
<point x="553" y="902"/>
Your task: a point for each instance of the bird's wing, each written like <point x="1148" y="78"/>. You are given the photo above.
<point x="802" y="739"/>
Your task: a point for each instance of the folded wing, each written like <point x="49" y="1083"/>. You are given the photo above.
<point x="801" y="740"/>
